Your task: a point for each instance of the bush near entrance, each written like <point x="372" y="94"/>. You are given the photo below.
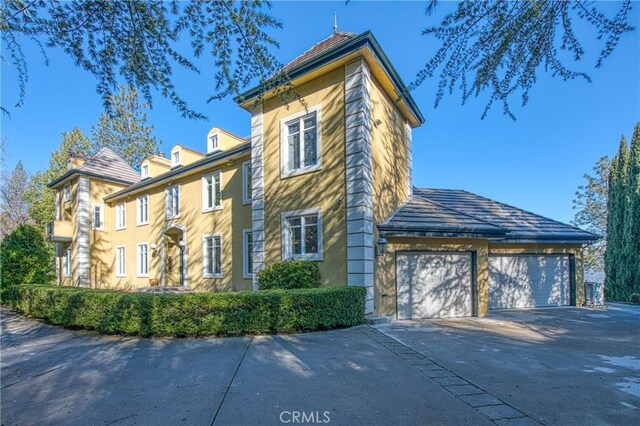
<point x="289" y="274"/>
<point x="195" y="314"/>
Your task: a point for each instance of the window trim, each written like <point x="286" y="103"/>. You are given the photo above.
<point x="124" y="263"/>
<point x="166" y="192"/>
<point x="284" y="143"/>
<point x="67" y="266"/>
<point x="245" y="254"/>
<point x="215" y="207"/>
<point x="93" y="217"/>
<point x="138" y="273"/>
<point x="175" y="161"/>
<point x="124" y="209"/>
<point x="138" y="222"/>
<point x="286" y="252"/>
<point x="210" y="147"/>
<point x="205" y="274"/>
<point x="66" y="193"/>
<point x="246" y="197"/>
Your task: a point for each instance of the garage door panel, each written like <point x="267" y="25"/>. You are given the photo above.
<point x="434" y="285"/>
<point x="528" y="281"/>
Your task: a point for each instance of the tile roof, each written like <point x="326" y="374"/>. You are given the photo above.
<point x="422" y="216"/>
<point x="516" y="224"/>
<point x="317" y="49"/>
<point x="107" y="163"/>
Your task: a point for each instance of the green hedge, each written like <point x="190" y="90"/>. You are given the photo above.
<point x="289" y="274"/>
<point x="195" y="314"/>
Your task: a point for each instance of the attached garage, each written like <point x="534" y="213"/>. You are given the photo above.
<point x="434" y="285"/>
<point x="529" y="281"/>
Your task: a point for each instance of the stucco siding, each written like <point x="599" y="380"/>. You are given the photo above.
<point x="324" y="188"/>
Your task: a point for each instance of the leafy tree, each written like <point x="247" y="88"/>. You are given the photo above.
<point x="617" y="207"/>
<point x="25" y="258"/>
<point x="40" y="198"/>
<point x="13" y="207"/>
<point x="125" y="130"/>
<point x="138" y="41"/>
<point x="500" y="46"/>
<point x="591" y="203"/>
<point x="631" y="237"/>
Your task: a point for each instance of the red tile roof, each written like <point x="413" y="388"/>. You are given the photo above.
<point x="317" y="49"/>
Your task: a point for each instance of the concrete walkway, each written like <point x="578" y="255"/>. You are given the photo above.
<point x="347" y="377"/>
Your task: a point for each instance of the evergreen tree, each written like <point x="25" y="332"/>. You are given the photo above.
<point x="618" y="206"/>
<point x="125" y="130"/>
<point x="40" y="198"/>
<point x="14" y="210"/>
<point x="632" y="224"/>
<point x="25" y="258"/>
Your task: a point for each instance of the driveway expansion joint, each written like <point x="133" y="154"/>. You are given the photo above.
<point x="484" y="403"/>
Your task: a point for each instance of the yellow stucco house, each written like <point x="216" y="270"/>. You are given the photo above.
<point x="328" y="180"/>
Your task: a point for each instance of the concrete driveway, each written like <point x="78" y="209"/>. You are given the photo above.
<point x="557" y="365"/>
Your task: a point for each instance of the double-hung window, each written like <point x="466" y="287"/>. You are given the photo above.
<point x="121" y="216"/>
<point x="172" y="202"/>
<point x="143" y="260"/>
<point x="175" y="158"/>
<point x="143" y="210"/>
<point x="300" y="142"/>
<point x="67" y="192"/>
<point x="144" y="171"/>
<point x="247" y="250"/>
<point x="121" y="261"/>
<point x="302" y="234"/>
<point x="66" y="263"/>
<point x="214" y="144"/>
<point x="211" y="191"/>
<point x="212" y="256"/>
<point x="98" y="217"/>
<point x="246" y="182"/>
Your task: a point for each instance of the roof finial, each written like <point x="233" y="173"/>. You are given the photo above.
<point x="335" y="22"/>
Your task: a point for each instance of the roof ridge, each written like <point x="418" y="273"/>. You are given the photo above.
<point x="459" y="212"/>
<point x="523" y="210"/>
<point x="301" y="57"/>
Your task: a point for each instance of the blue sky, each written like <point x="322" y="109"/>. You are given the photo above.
<point x="535" y="163"/>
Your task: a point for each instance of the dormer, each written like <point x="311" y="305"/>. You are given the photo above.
<point x="221" y="140"/>
<point x="181" y="156"/>
<point x="153" y="166"/>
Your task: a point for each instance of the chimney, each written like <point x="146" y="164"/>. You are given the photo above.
<point x="76" y="159"/>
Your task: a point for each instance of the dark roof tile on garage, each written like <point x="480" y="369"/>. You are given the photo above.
<point x="521" y="224"/>
<point x="422" y="217"/>
<point x="462" y="210"/>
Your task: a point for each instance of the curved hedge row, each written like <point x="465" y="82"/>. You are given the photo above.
<point x="194" y="314"/>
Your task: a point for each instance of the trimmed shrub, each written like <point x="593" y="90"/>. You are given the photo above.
<point x="195" y="314"/>
<point x="635" y="298"/>
<point x="290" y="274"/>
<point x="25" y="258"/>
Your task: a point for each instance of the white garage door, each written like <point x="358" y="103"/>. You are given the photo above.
<point x="528" y="281"/>
<point x="434" y="285"/>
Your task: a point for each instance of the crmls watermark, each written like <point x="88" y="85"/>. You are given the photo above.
<point x="305" y="417"/>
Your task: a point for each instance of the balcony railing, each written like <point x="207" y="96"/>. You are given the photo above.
<point x="59" y="231"/>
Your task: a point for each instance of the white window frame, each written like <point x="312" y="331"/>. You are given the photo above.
<point x="216" y="202"/>
<point x="286" y="249"/>
<point x="139" y="269"/>
<point x="166" y="199"/>
<point x="121" y="214"/>
<point x="93" y="217"/>
<point x="247" y="254"/>
<point x="175" y="158"/>
<point x="139" y="206"/>
<point x="66" y="189"/>
<point x="121" y="273"/>
<point x="144" y="171"/>
<point x="206" y="274"/>
<point x="284" y="142"/>
<point x="58" y="207"/>
<point x="66" y="263"/>
<point x="246" y="193"/>
<point x="211" y="147"/>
